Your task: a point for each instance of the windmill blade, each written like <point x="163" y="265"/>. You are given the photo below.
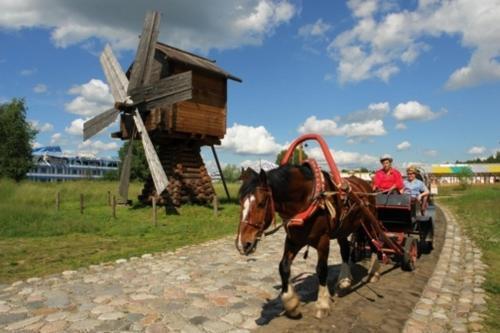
<point x="115" y="76"/>
<point x="94" y="125"/>
<point x="157" y="173"/>
<point x="145" y="51"/>
<point x="169" y="90"/>
<point x="125" y="173"/>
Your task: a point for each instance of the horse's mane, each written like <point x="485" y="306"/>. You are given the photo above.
<point x="278" y="179"/>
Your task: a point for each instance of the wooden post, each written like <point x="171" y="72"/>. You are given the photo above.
<point x="58" y="200"/>
<point x="114" y="207"/>
<point x="155" y="222"/>
<point x="81" y="203"/>
<point x="109" y="198"/>
<point x="216" y="206"/>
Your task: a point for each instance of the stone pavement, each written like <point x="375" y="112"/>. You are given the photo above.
<point x="211" y="288"/>
<point x="204" y="288"/>
<point x="453" y="299"/>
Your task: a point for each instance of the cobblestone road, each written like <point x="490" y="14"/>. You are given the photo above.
<point x="207" y="288"/>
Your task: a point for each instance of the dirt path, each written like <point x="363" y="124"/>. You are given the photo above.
<point x="381" y="307"/>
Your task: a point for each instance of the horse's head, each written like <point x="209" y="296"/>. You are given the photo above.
<point x="256" y="210"/>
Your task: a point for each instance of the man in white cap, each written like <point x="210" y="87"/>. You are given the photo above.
<point x="387" y="179"/>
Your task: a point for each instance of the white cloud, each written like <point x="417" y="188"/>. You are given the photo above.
<point x="344" y="158"/>
<point x="41" y="127"/>
<point x="317" y="29"/>
<point x="405" y="145"/>
<point x="329" y="127"/>
<point x="369" y="128"/>
<point x="320" y="126"/>
<point x="477" y="150"/>
<point x="40" y="88"/>
<point x="243" y="139"/>
<point x="28" y="71"/>
<point x="92" y="98"/>
<point x="382" y="41"/>
<point x="55" y="138"/>
<point x="413" y="110"/>
<point x="431" y="152"/>
<point x="76" y="127"/>
<point x="201" y="25"/>
<point x="375" y="111"/>
<point x="328" y="77"/>
<point x="36" y="144"/>
<point x="96" y="147"/>
<point x="400" y="126"/>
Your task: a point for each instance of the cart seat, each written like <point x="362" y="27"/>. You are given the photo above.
<point x="394" y="208"/>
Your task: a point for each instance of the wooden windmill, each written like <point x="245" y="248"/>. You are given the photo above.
<point x="171" y="99"/>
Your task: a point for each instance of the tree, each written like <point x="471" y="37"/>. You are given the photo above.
<point x="295" y="158"/>
<point x="494" y="158"/>
<point x="231" y="173"/>
<point x="139" y="169"/>
<point x="464" y="175"/>
<point x="16" y="136"/>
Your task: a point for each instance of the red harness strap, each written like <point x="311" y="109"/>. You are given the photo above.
<point x="319" y="187"/>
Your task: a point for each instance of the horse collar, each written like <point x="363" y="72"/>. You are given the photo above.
<point x="316" y="197"/>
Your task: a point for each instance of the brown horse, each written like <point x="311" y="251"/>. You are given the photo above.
<point x="287" y="190"/>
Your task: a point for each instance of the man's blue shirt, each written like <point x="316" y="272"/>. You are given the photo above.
<point x="415" y="187"/>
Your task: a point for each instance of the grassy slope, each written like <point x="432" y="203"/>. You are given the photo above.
<point x="478" y="210"/>
<point x="35" y="240"/>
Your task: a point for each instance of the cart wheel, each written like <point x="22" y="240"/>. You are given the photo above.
<point x="426" y="238"/>
<point x="410" y="254"/>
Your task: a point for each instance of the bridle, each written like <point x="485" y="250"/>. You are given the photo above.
<point x="260" y="226"/>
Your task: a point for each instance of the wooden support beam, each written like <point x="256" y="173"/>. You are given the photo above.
<point x="220" y="171"/>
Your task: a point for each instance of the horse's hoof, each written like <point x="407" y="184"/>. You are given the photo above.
<point x="321" y="313"/>
<point x="294" y="314"/>
<point x="291" y="304"/>
<point x="375" y="277"/>
<point x="345" y="284"/>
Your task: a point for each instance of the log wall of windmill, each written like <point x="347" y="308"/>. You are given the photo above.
<point x="189" y="181"/>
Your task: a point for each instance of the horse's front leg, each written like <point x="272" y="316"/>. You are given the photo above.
<point x="323" y="301"/>
<point x="291" y="301"/>
<point x="345" y="276"/>
<point x="374" y="267"/>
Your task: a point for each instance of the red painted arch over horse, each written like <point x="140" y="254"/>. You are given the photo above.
<point x="290" y="190"/>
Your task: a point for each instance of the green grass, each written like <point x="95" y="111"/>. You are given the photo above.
<point x="478" y="210"/>
<point x="36" y="240"/>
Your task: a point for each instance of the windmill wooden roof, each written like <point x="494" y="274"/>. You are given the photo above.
<point x="194" y="60"/>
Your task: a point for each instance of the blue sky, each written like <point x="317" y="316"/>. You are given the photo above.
<point x="417" y="79"/>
